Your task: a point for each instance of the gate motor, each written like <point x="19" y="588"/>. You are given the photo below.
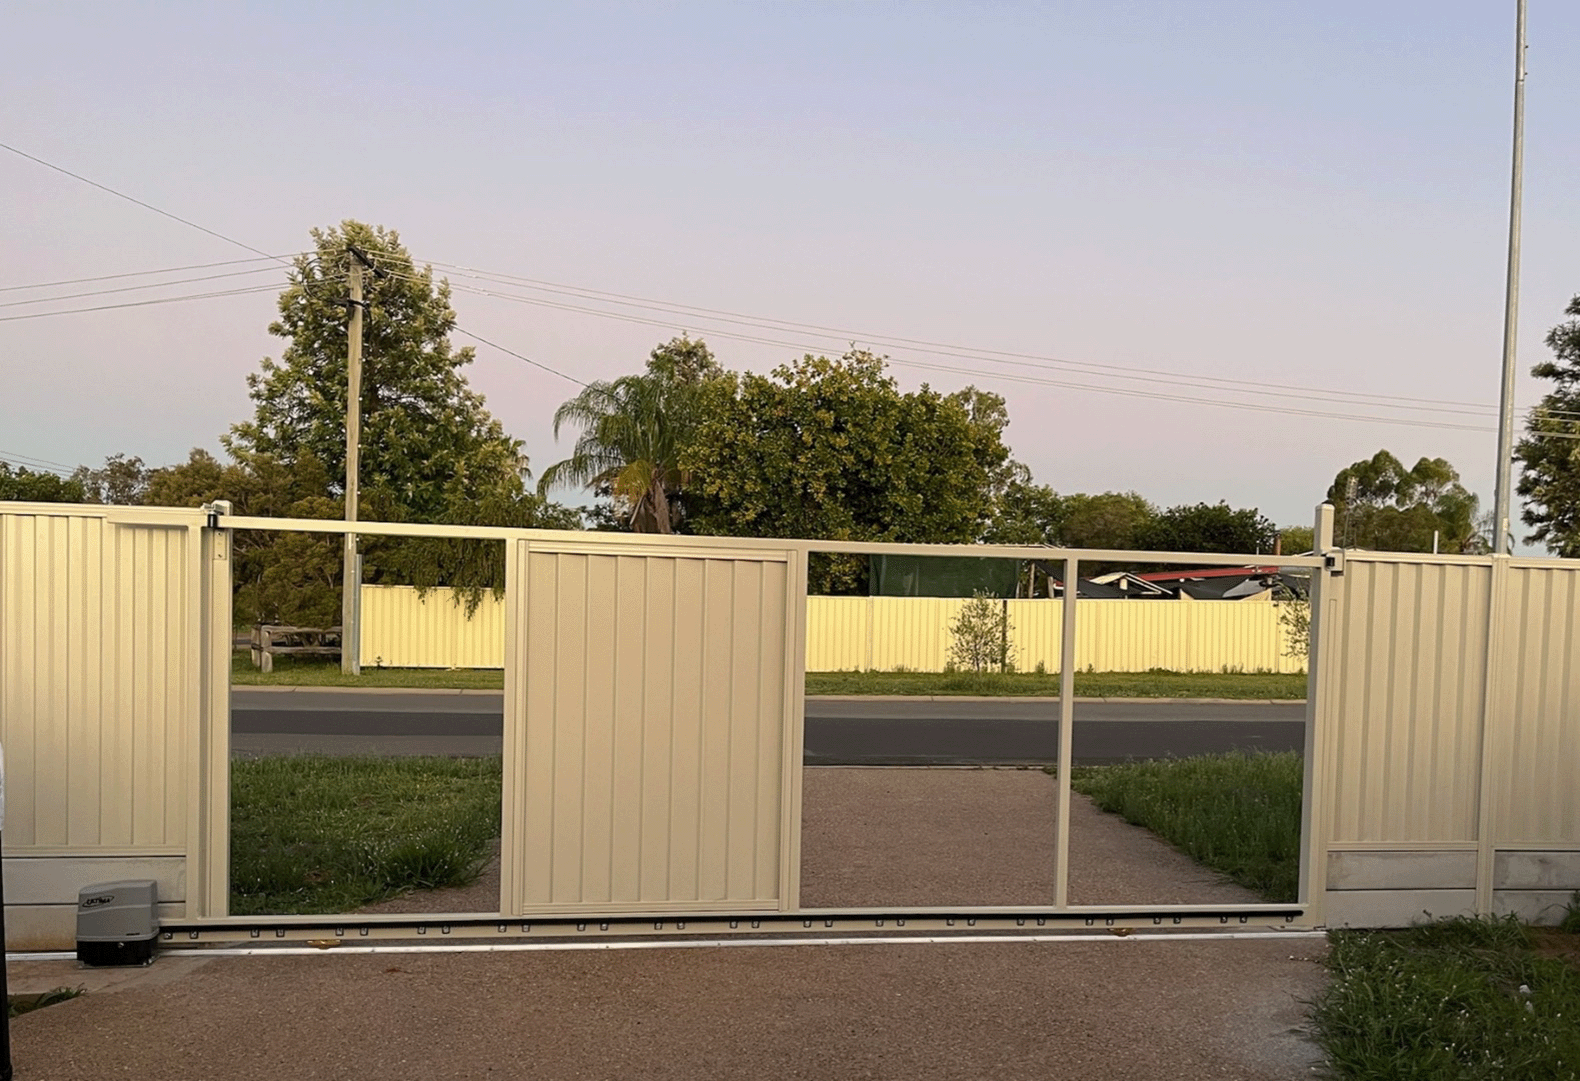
<point x="117" y="923"/>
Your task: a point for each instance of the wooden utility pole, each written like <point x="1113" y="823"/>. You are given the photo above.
<point x="351" y="575"/>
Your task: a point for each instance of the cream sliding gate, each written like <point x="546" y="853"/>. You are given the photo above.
<point x="653" y="732"/>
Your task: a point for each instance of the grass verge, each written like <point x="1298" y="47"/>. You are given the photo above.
<point x="17" y="1005"/>
<point x="291" y="672"/>
<point x="1236" y="813"/>
<point x="313" y="834"/>
<point x="1465" y="999"/>
<point x="1156" y="684"/>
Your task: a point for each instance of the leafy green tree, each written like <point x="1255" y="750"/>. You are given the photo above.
<point x="431" y="452"/>
<point x="1549" y="454"/>
<point x="634" y="431"/>
<point x="1395" y="509"/>
<point x="832" y="449"/>
<point x="1208" y="527"/>
<point x="121" y="481"/>
<point x="27" y="486"/>
<point x="1295" y="539"/>
<point x="281" y="578"/>
<point x="429" y="446"/>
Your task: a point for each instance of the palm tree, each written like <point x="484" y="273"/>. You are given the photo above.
<point x="633" y="431"/>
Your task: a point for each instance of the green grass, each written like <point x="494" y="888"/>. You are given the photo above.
<point x="1464" y="999"/>
<point x="17" y="1005"/>
<point x="1236" y="813"/>
<point x="291" y="672"/>
<point x="313" y="834"/>
<point x="1156" y="684"/>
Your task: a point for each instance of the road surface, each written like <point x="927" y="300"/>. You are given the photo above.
<point x="838" y="731"/>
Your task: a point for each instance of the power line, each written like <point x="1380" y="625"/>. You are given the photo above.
<point x="140" y="273"/>
<point x="265" y="288"/>
<point x="1332" y="395"/>
<point x="518" y="356"/>
<point x="630" y="300"/>
<point x="138" y="202"/>
<point x="134" y="288"/>
<point x="219" y="236"/>
<point x="1017" y="378"/>
<point x="35" y="467"/>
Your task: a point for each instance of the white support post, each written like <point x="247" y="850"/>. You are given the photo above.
<point x="1061" y="859"/>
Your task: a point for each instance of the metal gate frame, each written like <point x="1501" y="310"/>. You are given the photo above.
<point x="211" y="922"/>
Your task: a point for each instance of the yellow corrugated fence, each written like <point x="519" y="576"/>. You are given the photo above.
<point x="402" y="630"/>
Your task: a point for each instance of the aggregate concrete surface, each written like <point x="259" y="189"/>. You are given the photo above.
<point x="1129" y="1007"/>
<point x="1126" y="1009"/>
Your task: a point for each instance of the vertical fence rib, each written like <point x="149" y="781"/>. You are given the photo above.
<point x="1491" y="696"/>
<point x="513" y="733"/>
<point x="1061" y="861"/>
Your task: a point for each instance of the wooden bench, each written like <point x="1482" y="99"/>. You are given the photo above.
<point x="269" y="641"/>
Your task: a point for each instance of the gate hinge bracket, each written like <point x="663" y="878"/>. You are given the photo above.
<point x="1333" y="562"/>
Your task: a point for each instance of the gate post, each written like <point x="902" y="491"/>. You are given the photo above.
<point x="1315" y="826"/>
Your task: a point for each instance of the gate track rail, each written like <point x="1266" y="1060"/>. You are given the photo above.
<point x="897" y="922"/>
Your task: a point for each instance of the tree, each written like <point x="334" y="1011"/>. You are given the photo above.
<point x="979" y="638"/>
<point x="1207" y="527"/>
<point x="1296" y="539"/>
<point x="25" y="485"/>
<point x="429" y="447"/>
<point x="634" y="431"/>
<point x="282" y="578"/>
<point x="831" y="449"/>
<point x="1549" y="454"/>
<point x="430" y="450"/>
<point x="1395" y="509"/>
<point x="121" y="481"/>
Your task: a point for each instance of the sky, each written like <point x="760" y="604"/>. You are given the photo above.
<point x="1172" y="200"/>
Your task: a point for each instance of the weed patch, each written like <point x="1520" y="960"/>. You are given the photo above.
<point x="1464" y="999"/>
<point x="314" y="834"/>
<point x="1236" y="813"/>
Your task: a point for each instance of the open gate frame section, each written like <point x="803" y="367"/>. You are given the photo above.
<point x="652" y="733"/>
<point x="653" y="713"/>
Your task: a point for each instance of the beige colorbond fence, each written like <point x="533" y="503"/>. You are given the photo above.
<point x="886" y="633"/>
<point x="403" y="630"/>
<point x="1452" y="738"/>
<point x="104" y="670"/>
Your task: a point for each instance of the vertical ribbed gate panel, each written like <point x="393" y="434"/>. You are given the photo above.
<point x="648" y="731"/>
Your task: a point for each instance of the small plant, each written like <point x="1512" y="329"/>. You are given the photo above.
<point x="16" y="1005"/>
<point x="1294" y="614"/>
<point x="1041" y="669"/>
<point x="980" y="636"/>
<point x="1570" y="924"/>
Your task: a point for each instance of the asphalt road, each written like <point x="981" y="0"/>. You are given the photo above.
<point x="838" y="731"/>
